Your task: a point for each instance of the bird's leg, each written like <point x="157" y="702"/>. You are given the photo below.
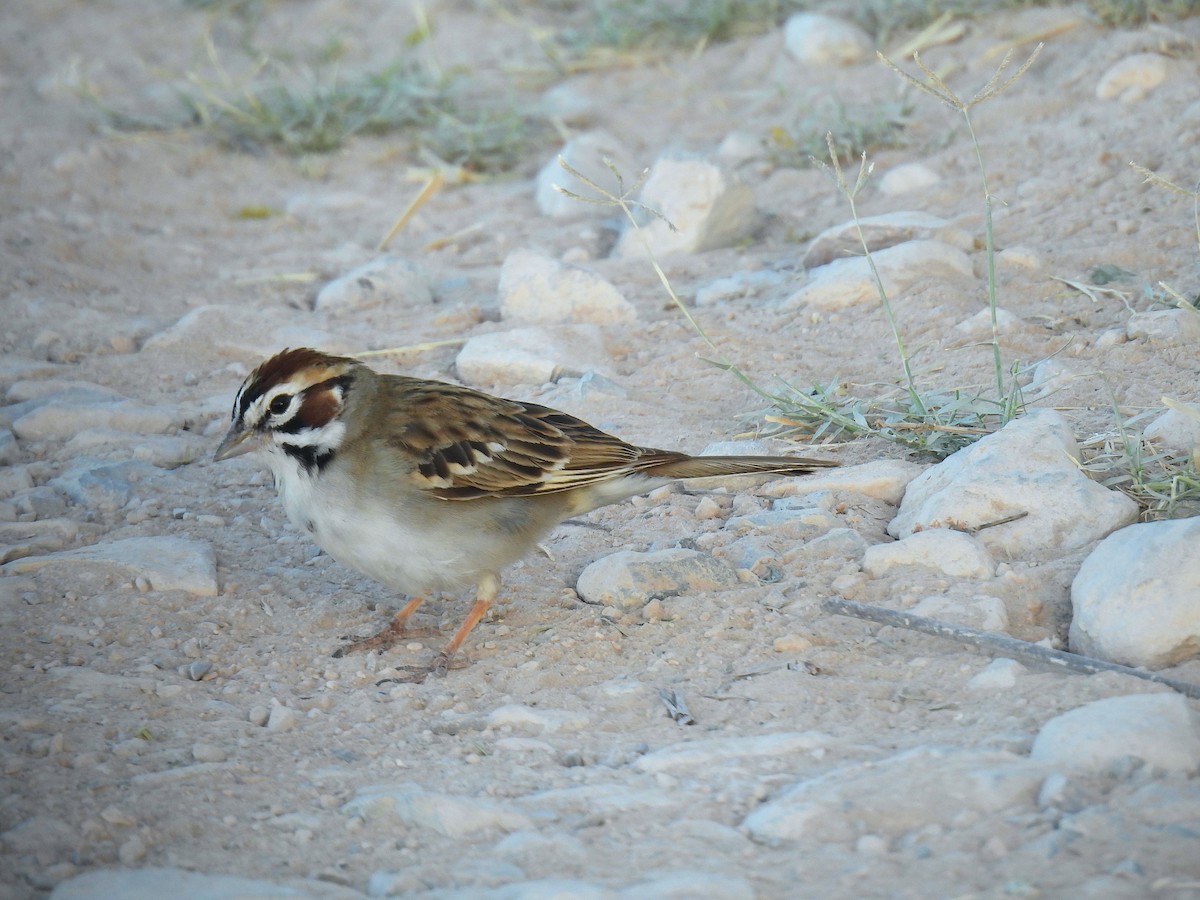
<point x="388" y="636"/>
<point x="489" y="586"/>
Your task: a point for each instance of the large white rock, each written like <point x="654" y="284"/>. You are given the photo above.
<point x="1132" y="78"/>
<point x="537" y="288"/>
<point x="1177" y="429"/>
<point x="883" y="479"/>
<point x="899" y="794"/>
<point x="817" y="39"/>
<point x="167" y="563"/>
<point x="1028" y="467"/>
<point x="849" y="282"/>
<point x="59" y="421"/>
<point x="586" y="154"/>
<point x="1158" y="728"/>
<point x="450" y="815"/>
<point x="1167" y="327"/>
<point x="531" y="355"/>
<point x="880" y="232"/>
<point x="1136" y="599"/>
<point x="707" y="208"/>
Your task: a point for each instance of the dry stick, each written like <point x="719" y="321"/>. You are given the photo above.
<point x="999" y="644"/>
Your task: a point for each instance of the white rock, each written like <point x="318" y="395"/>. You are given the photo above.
<point x="1019" y="259"/>
<point x="1169" y="327"/>
<point x="532" y="355"/>
<point x="1133" y="77"/>
<point x="849" y="282"/>
<point x="880" y="232"/>
<point x="708" y="209"/>
<point x="449" y="815"/>
<point x="59" y="421"/>
<point x="586" y="153"/>
<point x="253" y="332"/>
<point x="816" y="39"/>
<point x="981" y="612"/>
<point x="788" y="525"/>
<point x="740" y="147"/>
<point x="940" y="549"/>
<point x="1136" y="598"/>
<point x="907" y="178"/>
<point x="701" y="755"/>
<point x="519" y="716"/>
<point x="1050" y="376"/>
<point x="281" y="718"/>
<point x="998" y="675"/>
<point x="536" y="288"/>
<point x="163" y="451"/>
<point x="50" y="388"/>
<point x="690" y="885"/>
<point x="167" y="563"/>
<point x="883" y="479"/>
<point x="1158" y="728"/>
<point x="897" y="795"/>
<point x="979" y="326"/>
<point x="181" y="884"/>
<point x="1177" y="429"/>
<point x="14" y="480"/>
<point x="386" y="280"/>
<point x="628" y="579"/>
<point x="1028" y="467"/>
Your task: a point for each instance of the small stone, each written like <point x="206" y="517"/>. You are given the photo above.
<point x="708" y="209"/>
<point x="884" y="479"/>
<point x="791" y="643"/>
<point x="628" y="579"/>
<point x="114" y="815"/>
<point x="850" y="282"/>
<point x="532" y="355"/>
<point x="815" y="39"/>
<point x="1133" y="77"/>
<point x="387" y="280"/>
<point x="132" y="851"/>
<point x="538" y="719"/>
<point x="998" y="675"/>
<point x="586" y="153"/>
<point x="1022" y="259"/>
<point x="535" y="288"/>
<point x="1167" y="327"/>
<point x="1177" y="429"/>
<point x="59" y="421"/>
<point x="979" y="325"/>
<point x="208" y="753"/>
<point x="845" y="240"/>
<point x="281" y="718"/>
<point x="198" y="669"/>
<point x="258" y="715"/>
<point x="940" y="549"/>
<point x="981" y="612"/>
<point x="449" y="815"/>
<point x="908" y="178"/>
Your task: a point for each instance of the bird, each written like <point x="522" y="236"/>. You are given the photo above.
<point x="429" y="486"/>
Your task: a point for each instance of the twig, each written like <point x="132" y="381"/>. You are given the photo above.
<point x="676" y="706"/>
<point x="1000" y="644"/>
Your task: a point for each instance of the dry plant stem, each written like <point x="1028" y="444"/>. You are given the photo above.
<point x="1000" y="644"/>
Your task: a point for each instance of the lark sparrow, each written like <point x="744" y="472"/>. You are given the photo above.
<point x="428" y="486"/>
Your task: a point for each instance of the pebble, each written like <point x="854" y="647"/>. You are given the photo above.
<point x="168" y="563"/>
<point x="1160" y="729"/>
<point x="1136" y="598"/>
<point x="815" y="39"/>
<point x="939" y="549"/>
<point x="791" y="643"/>
<point x="1178" y="429"/>
<point x="209" y="753"/>
<point x="908" y="178"/>
<point x="538" y="719"/>
<point x="897" y="795"/>
<point x="163" y="451"/>
<point x="61" y="389"/>
<point x="628" y="579"/>
<point x="850" y="282"/>
<point x="1049" y="377"/>
<point x="532" y="355"/>
<point x="1027" y="467"/>
<point x="15" y="480"/>
<point x="1167" y="327"/>
<point x="998" y="675"/>
<point x="1132" y="78"/>
<point x="700" y="755"/>
<point x="181" y="884"/>
<point x="707" y="207"/>
<point x="880" y="232"/>
<point x="281" y="718"/>
<point x="883" y="479"/>
<point x="737" y="286"/>
<point x="101" y="486"/>
<point x="60" y="421"/>
<point x="450" y="815"/>
<point x="979" y="326"/>
<point x="538" y="289"/>
<point x="258" y="715"/>
<point x="789" y="525"/>
<point x="586" y="153"/>
<point x="386" y="280"/>
<point x="1019" y="259"/>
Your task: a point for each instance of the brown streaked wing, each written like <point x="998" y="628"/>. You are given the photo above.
<point x="499" y="447"/>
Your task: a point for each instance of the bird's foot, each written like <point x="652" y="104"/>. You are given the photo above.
<point x="384" y="639"/>
<point x="442" y="663"/>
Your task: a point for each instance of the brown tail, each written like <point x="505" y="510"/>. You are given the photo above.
<point x="707" y="466"/>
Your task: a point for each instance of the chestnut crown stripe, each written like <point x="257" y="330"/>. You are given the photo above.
<point x="284" y="365"/>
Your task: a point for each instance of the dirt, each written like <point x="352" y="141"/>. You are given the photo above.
<point x="110" y="237"/>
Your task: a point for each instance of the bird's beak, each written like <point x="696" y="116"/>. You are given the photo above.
<point x="236" y="443"/>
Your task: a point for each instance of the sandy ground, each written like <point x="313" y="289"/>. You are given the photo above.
<point x="109" y="238"/>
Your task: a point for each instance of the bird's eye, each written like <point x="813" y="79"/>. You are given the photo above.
<point x="280" y="404"/>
